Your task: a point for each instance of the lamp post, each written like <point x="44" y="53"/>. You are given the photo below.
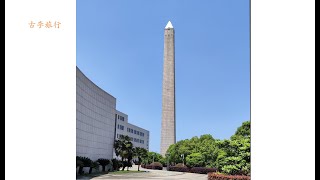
<point x="182" y="155"/>
<point x="168" y="154"/>
<point x="153" y="161"/>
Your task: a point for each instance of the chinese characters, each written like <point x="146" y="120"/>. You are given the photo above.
<point x="45" y="24"/>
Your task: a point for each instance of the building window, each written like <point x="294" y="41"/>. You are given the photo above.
<point x="120" y="127"/>
<point x="141" y="134"/>
<point x="131" y="130"/>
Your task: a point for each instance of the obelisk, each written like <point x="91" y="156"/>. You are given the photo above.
<point x="168" y="126"/>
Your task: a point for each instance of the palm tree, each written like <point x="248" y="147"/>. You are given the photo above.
<point x="140" y="153"/>
<point x="124" y="148"/>
<point x="84" y="162"/>
<point x="103" y="163"/>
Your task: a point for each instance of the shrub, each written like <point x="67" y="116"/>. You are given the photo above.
<point x="202" y="170"/>
<point x="179" y="169"/>
<point x="86" y="162"/>
<point x="155" y="165"/>
<point x="120" y="163"/>
<point x="103" y="163"/>
<point x="231" y="169"/>
<point x="79" y="163"/>
<point x="115" y="164"/>
<point x="94" y="165"/>
<point x="215" y="176"/>
<point x="180" y="165"/>
<point x="127" y="164"/>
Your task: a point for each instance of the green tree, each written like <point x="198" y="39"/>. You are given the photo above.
<point x="153" y="157"/>
<point x="140" y="153"/>
<point x="183" y="147"/>
<point x="243" y="131"/>
<point x="124" y="148"/>
<point x="195" y="160"/>
<point x="235" y="155"/>
<point x="231" y="156"/>
<point x="115" y="164"/>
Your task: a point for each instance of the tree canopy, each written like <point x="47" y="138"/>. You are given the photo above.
<point x="231" y="156"/>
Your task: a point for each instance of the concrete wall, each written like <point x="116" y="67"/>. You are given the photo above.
<point x="95" y="120"/>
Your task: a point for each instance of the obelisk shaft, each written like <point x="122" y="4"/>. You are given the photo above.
<point x="168" y="127"/>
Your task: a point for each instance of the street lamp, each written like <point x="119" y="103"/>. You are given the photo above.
<point x="168" y="154"/>
<point x="153" y="161"/>
<point x="182" y="155"/>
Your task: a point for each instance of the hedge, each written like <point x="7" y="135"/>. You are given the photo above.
<point x="203" y="170"/>
<point x="155" y="165"/>
<point x="179" y="169"/>
<point x="215" y="176"/>
<point x="199" y="170"/>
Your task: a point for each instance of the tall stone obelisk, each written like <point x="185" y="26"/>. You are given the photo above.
<point x="168" y="126"/>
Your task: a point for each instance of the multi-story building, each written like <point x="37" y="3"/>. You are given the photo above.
<point x="97" y="127"/>
<point x="139" y="136"/>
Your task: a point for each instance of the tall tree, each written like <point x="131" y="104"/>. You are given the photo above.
<point x="124" y="148"/>
<point x="243" y="131"/>
<point x="140" y="153"/>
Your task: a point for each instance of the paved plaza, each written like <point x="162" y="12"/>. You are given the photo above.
<point x="153" y="174"/>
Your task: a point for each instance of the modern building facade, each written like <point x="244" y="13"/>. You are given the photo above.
<point x="139" y="136"/>
<point x="96" y="123"/>
<point x="168" y="126"/>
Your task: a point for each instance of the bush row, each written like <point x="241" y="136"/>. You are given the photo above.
<point x="215" y="176"/>
<point x="155" y="165"/>
<point x="202" y="170"/>
<point x="199" y="170"/>
<point x="87" y="162"/>
<point x="179" y="169"/>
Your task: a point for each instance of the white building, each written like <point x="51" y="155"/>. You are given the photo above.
<point x="97" y="127"/>
<point x="139" y="136"/>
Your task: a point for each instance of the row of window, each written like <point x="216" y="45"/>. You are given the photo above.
<point x="132" y="139"/>
<point x="131" y="130"/>
<point x="120" y="127"/>
<point x="120" y="117"/>
<point x="135" y="132"/>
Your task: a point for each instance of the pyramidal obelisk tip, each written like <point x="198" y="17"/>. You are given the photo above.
<point x="169" y="25"/>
